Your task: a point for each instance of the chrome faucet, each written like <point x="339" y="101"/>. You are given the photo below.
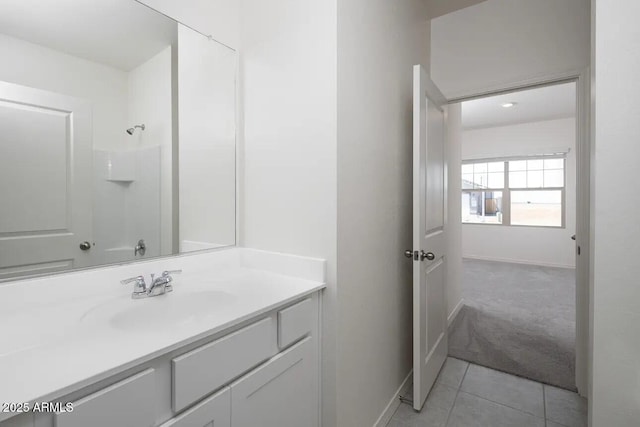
<point x="159" y="285"/>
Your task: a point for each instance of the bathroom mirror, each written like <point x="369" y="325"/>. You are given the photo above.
<point x="117" y="136"/>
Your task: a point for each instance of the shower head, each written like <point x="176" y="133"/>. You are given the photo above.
<point x="130" y="131"/>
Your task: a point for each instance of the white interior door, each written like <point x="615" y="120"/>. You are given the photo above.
<point x="45" y="181"/>
<point x="429" y="220"/>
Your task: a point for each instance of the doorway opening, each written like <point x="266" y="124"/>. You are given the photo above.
<point x="519" y="211"/>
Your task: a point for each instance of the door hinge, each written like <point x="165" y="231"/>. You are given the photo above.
<point x="406" y="400"/>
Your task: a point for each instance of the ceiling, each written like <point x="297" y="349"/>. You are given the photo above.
<point x="533" y="105"/>
<point x="119" y="33"/>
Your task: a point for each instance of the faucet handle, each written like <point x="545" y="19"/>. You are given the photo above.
<point x="167" y="277"/>
<point x="140" y="285"/>
<point x="169" y="272"/>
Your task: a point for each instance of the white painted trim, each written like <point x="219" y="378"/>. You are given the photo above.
<point x="394" y="403"/>
<point x="584" y="209"/>
<point x="517" y="261"/>
<point x="454" y="312"/>
<point x="239" y="150"/>
<point x="320" y="373"/>
<point x="524" y="84"/>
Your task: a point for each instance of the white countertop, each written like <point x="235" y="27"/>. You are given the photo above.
<point x="59" y="333"/>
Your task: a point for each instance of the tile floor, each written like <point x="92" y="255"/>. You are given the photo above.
<point x="468" y="395"/>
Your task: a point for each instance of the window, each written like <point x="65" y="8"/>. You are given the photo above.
<point x="480" y="203"/>
<point x="516" y="191"/>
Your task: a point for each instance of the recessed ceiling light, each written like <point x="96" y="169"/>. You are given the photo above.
<point x="509" y="104"/>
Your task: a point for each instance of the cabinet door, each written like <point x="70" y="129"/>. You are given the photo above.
<point x="128" y="403"/>
<point x="214" y="411"/>
<point x="281" y="393"/>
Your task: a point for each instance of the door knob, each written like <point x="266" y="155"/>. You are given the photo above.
<point x="573" y="237"/>
<point x="428" y="255"/>
<point x="85" y="246"/>
<point x="140" y="248"/>
<point x="408" y="253"/>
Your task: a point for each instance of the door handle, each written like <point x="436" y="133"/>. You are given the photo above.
<point x="140" y="248"/>
<point x="573" y="237"/>
<point x="422" y="255"/>
<point x="85" y="246"/>
<point x="428" y="255"/>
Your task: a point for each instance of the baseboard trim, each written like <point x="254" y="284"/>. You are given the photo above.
<point x="518" y="261"/>
<point x="455" y="312"/>
<point x="388" y="412"/>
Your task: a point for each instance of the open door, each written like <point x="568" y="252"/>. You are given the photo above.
<point x="429" y="227"/>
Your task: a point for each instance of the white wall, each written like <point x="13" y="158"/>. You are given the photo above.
<point x="500" y="42"/>
<point x="39" y="67"/>
<point x="288" y="73"/>
<point x="378" y="43"/>
<point x="207" y="148"/>
<point x="150" y="101"/>
<point x="288" y="185"/>
<point x="218" y="18"/>
<point x="529" y="245"/>
<point x="615" y="398"/>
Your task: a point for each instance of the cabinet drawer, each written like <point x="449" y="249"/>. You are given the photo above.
<point x="214" y="411"/>
<point x="207" y="368"/>
<point x="128" y="403"/>
<point x="294" y="323"/>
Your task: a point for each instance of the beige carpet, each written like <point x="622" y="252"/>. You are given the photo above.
<point x="518" y="319"/>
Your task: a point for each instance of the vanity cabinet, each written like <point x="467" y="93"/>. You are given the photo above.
<point x="280" y="393"/>
<point x="262" y="372"/>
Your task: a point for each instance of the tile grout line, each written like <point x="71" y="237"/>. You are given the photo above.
<point x="446" y="423"/>
<point x="544" y="402"/>
<point x="505" y="405"/>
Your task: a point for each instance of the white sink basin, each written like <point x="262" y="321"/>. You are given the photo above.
<point x="164" y="311"/>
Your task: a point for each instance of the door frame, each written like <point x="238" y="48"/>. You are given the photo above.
<point x="584" y="205"/>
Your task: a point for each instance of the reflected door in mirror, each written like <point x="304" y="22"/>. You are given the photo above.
<point x="45" y="181"/>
